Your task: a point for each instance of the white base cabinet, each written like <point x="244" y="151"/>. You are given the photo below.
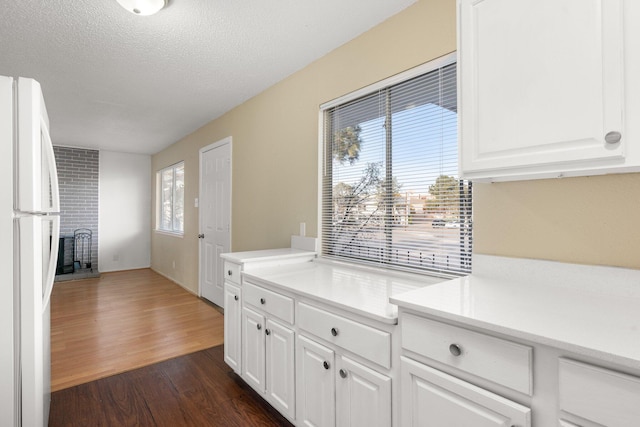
<point x="316" y="384"/>
<point x="335" y="390"/>
<point x="232" y="325"/>
<point x="253" y="351"/>
<point x="363" y="396"/>
<point x="466" y="388"/>
<point x="268" y="360"/>
<point x="280" y="368"/>
<point x="431" y="398"/>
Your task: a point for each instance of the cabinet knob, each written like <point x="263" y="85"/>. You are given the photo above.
<point x="267" y="331"/>
<point x="455" y="349"/>
<point x="262" y="301"/>
<point x="229" y="272"/>
<point x="259" y="326"/>
<point x="613" y="137"/>
<point x="235" y="297"/>
<point x="343" y="373"/>
<point x="325" y="364"/>
<point x="200" y="236"/>
<point x="334" y="332"/>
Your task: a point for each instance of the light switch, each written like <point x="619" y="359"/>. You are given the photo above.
<point x="195" y="204"/>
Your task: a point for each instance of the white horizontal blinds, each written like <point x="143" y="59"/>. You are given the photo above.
<point x="166" y="204"/>
<point x="172" y="198"/>
<point x="391" y="193"/>
<point x="178" y="198"/>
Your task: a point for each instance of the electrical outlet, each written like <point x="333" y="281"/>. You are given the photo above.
<point x="174" y="264"/>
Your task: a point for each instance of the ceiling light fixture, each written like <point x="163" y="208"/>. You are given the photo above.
<point x="143" y="7"/>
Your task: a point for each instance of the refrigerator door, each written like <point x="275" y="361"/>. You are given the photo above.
<point x="9" y="405"/>
<point x="31" y="328"/>
<point x="37" y="177"/>
<point x="38" y="249"/>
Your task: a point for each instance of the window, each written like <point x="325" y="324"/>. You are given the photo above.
<point x="170" y="184"/>
<point x="391" y="195"/>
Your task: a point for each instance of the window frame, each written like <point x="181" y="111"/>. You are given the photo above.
<point x="159" y="200"/>
<point x="323" y="153"/>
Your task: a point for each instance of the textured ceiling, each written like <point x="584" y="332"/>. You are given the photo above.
<point x="116" y="81"/>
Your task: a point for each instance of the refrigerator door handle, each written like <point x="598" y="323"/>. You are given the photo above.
<point x="53" y="259"/>
<point x="53" y="172"/>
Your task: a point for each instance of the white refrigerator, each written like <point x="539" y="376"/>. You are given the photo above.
<point x="29" y="234"/>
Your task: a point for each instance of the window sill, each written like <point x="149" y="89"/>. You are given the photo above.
<point x="170" y="233"/>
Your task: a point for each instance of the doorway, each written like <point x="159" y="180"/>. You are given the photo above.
<point x="215" y="217"/>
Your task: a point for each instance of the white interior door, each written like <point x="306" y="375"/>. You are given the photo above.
<point x="215" y="217"/>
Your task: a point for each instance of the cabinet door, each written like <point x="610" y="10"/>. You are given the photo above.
<point x="253" y="341"/>
<point x="280" y="367"/>
<point x="433" y="398"/>
<point x="316" y="384"/>
<point x="363" y="396"/>
<point x="232" y="327"/>
<point x="541" y="83"/>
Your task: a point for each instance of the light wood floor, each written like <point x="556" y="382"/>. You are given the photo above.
<point x="122" y="321"/>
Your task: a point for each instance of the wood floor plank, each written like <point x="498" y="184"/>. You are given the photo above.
<point x="122" y="321"/>
<point x="197" y="389"/>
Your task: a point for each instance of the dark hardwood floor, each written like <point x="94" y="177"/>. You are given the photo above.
<point x="198" y="389"/>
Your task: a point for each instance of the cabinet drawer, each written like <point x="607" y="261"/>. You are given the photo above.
<point x="494" y="359"/>
<point x="270" y="302"/>
<point x="599" y="395"/>
<point x="363" y="340"/>
<point x="232" y="272"/>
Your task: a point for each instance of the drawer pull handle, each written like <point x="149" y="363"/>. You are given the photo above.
<point x="262" y="301"/>
<point x="613" y="137"/>
<point x="267" y="331"/>
<point x="334" y="332"/>
<point x="455" y="349"/>
<point x="259" y="326"/>
<point x="325" y="364"/>
<point x="235" y="297"/>
<point x="343" y="373"/>
<point x="229" y="272"/>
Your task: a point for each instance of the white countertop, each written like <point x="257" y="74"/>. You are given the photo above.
<point x="359" y="290"/>
<point x="266" y="255"/>
<point x="589" y="310"/>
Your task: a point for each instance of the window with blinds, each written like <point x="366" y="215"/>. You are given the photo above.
<point x="391" y="192"/>
<point x="170" y="185"/>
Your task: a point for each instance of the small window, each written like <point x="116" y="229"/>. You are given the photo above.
<point x="170" y="213"/>
<point x="391" y="192"/>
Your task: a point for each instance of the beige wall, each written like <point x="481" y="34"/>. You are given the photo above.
<point x="587" y="220"/>
<point x="275" y="145"/>
<point x="275" y="137"/>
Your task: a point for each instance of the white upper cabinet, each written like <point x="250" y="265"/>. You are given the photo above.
<point x="546" y="88"/>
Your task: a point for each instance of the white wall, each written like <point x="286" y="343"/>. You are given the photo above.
<point x="125" y="211"/>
